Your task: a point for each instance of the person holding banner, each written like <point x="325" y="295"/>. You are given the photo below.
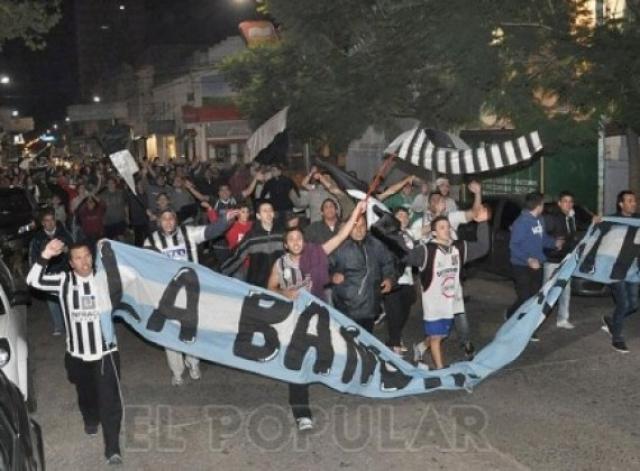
<point x="305" y="265"/>
<point x="440" y="263"/>
<point x="180" y="242"/>
<point x="625" y="293"/>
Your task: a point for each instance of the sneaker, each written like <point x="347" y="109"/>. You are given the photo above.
<point x="423" y="366"/>
<point x="194" y="372"/>
<point x="177" y="381"/>
<point x="534" y="337"/>
<point x="304" y="423"/>
<point x="469" y="350"/>
<point x="606" y="325"/>
<point x="91" y="430"/>
<point x="620" y="346"/>
<point x="565" y="325"/>
<point x="114" y="460"/>
<point x="419" y="349"/>
<point x="403" y="348"/>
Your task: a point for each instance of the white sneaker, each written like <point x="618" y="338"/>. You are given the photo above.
<point x="194" y="372"/>
<point x="304" y="423"/>
<point x="423" y="366"/>
<point x="565" y="325"/>
<point x="419" y="349"/>
<point x="177" y="381"/>
<point x="114" y="460"/>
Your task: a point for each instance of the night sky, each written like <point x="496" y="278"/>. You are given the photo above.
<point x="45" y="82"/>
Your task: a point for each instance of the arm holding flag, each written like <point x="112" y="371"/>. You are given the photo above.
<point x="396" y="187"/>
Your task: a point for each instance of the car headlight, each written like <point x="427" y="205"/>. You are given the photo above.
<point x="5" y="352"/>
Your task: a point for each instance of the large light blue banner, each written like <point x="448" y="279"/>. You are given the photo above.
<point x="186" y="307"/>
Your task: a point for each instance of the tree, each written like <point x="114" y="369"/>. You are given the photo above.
<point x="535" y="64"/>
<point x="28" y="20"/>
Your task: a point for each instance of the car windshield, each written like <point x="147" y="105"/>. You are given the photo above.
<point x="14" y="202"/>
<point x="510" y="212"/>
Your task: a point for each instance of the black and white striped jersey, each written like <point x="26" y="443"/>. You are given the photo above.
<point x="81" y="304"/>
<point x="181" y="245"/>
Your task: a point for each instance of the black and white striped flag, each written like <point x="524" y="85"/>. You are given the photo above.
<point x="418" y="148"/>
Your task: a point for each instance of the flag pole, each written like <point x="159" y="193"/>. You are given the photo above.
<point x="380" y="174"/>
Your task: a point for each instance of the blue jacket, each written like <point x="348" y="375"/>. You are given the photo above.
<point x="529" y="239"/>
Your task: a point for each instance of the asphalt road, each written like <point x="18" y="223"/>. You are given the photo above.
<point x="570" y="402"/>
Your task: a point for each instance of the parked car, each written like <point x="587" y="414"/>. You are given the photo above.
<point x="21" y="446"/>
<point x="14" y="352"/>
<point x="18" y="213"/>
<point x="505" y="209"/>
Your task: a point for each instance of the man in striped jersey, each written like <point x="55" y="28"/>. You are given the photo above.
<point x="180" y="242"/>
<point x="92" y="365"/>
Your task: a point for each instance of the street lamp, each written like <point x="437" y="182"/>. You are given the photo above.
<point x="67" y="120"/>
<point x="96" y="99"/>
<point x="122" y="7"/>
<point x="5" y="80"/>
<point x="55" y="126"/>
<point x="15" y="113"/>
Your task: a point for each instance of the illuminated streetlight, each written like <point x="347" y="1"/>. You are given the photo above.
<point x="96" y="99"/>
<point x="5" y="80"/>
<point x="122" y="7"/>
<point x="15" y="113"/>
<point x="67" y="120"/>
<point x="55" y="126"/>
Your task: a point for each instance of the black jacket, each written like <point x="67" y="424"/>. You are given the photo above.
<point x="41" y="239"/>
<point x="364" y="265"/>
<point x="557" y="225"/>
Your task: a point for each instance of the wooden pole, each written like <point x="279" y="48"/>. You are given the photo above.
<point x="382" y="171"/>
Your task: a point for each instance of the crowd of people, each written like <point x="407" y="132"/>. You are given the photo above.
<point x="256" y="224"/>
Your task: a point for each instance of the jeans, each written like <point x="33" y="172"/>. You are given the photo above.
<point x="397" y="305"/>
<point x="565" y="296"/>
<point x="462" y="328"/>
<point x="56" y="313"/>
<point x="299" y="400"/>
<point x="140" y="232"/>
<point x="177" y="361"/>
<point x="625" y="295"/>
<point x="528" y="282"/>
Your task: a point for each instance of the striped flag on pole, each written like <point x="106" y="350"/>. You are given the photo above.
<point x="266" y="133"/>
<point x="419" y="148"/>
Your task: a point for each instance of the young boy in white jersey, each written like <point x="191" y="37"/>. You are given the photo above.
<point x="440" y="262"/>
